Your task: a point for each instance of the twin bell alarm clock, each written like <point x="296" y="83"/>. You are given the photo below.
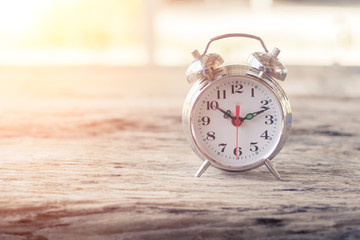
<point x="236" y="117"/>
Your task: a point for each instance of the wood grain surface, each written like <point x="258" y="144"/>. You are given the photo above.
<point x="102" y="158"/>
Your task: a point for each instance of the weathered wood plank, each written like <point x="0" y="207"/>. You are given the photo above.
<point x="115" y="168"/>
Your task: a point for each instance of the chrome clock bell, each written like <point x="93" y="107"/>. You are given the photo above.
<point x="236" y="117"/>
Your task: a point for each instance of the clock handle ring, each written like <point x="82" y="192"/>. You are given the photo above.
<point x="234" y="35"/>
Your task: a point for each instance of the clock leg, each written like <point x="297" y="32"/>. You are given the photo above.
<point x="203" y="168"/>
<point x="272" y="169"/>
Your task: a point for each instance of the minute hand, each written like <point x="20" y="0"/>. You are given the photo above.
<point x="250" y="116"/>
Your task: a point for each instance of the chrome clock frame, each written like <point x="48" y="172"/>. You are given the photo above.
<point x="265" y="68"/>
<point x="240" y="71"/>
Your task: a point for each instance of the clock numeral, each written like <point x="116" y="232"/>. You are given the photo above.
<point x="219" y="95"/>
<point x="210" y="136"/>
<point x="270" y="119"/>
<point x="205" y="121"/>
<point x="237" y="88"/>
<point x="237" y="151"/>
<point x="212" y="105"/>
<point x="253" y="147"/>
<point x="265" y="135"/>
<point x="223" y="145"/>
<point x="264" y="103"/>
<point x="252" y="92"/>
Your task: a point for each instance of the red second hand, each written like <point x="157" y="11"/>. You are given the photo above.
<point x="237" y="123"/>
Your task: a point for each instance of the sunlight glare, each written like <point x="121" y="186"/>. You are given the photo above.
<point x="16" y="16"/>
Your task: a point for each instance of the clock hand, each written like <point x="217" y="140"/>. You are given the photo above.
<point x="237" y="123"/>
<point x="237" y="120"/>
<point x="250" y="116"/>
<point x="226" y="113"/>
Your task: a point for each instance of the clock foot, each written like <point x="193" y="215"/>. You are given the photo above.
<point x="203" y="168"/>
<point x="272" y="169"/>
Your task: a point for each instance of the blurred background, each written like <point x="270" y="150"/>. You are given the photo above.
<point x="44" y="44"/>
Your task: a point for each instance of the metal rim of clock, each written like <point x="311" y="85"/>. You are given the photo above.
<point x="242" y="72"/>
<point x="206" y="70"/>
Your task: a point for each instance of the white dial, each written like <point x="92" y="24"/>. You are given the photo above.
<point x="236" y="122"/>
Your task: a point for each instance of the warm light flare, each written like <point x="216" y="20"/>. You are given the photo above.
<point x="71" y="32"/>
<point x="18" y="16"/>
<point x="163" y="32"/>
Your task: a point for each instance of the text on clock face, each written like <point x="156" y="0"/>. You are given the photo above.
<point x="237" y="121"/>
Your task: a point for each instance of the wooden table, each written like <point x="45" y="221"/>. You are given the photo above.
<point x="86" y="154"/>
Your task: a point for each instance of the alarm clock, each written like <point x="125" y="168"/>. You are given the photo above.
<point x="236" y="117"/>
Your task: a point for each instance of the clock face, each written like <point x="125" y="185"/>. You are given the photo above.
<point x="236" y="122"/>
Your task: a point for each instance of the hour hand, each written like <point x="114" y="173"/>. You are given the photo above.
<point x="250" y="116"/>
<point x="226" y="113"/>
